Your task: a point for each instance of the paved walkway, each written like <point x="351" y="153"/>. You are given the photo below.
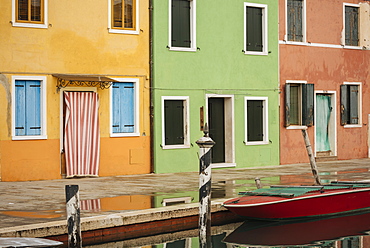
<point x="32" y="202"/>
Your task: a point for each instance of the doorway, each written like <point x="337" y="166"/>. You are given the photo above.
<point x="325" y="127"/>
<point x="80" y="133"/>
<point x="220" y="122"/>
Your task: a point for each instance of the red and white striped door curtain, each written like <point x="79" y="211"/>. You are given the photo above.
<point x="82" y="136"/>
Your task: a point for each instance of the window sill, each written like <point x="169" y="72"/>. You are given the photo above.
<point x="297" y="127"/>
<point x="40" y="137"/>
<point x="114" y="135"/>
<point x="255" y="53"/>
<point x="352" y="125"/>
<point x="122" y="31"/>
<point x="183" y="49"/>
<point x="29" y="25"/>
<point x="223" y="165"/>
<point x="167" y="147"/>
<point x="256" y="143"/>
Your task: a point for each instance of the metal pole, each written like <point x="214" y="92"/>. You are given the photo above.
<point x="311" y="157"/>
<point x="73" y="216"/>
<point x="205" y="144"/>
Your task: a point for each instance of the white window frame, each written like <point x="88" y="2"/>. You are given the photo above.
<point x="26" y="24"/>
<point x="186" y="123"/>
<point x="265" y="120"/>
<point x="359" y="84"/>
<point x="136" y="108"/>
<point x="264" y="28"/>
<point x="193" y="48"/>
<point x="303" y="25"/>
<point x="344" y="24"/>
<point x="43" y="135"/>
<point x="301" y="127"/>
<point x="120" y="30"/>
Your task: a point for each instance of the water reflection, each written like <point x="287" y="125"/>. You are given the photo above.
<point x="309" y="233"/>
<point x="349" y="231"/>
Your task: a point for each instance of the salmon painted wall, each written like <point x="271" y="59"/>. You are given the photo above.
<point x="76" y="41"/>
<point x="322" y="61"/>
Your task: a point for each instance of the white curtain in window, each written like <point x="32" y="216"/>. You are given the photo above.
<point x="82" y="137"/>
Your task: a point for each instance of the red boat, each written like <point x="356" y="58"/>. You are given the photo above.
<point x="289" y="202"/>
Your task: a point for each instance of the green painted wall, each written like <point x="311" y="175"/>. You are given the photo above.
<point x="219" y="66"/>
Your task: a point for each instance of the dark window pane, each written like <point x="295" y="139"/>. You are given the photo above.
<point x="295" y="105"/>
<point x="174" y="122"/>
<point x="23" y="10"/>
<point x="353" y="104"/>
<point x="36" y="10"/>
<point x="180" y="23"/>
<point x="255" y="120"/>
<point x="117" y="13"/>
<point x="254" y="29"/>
<point x="129" y="14"/>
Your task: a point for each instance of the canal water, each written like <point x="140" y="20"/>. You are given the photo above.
<point x="347" y="231"/>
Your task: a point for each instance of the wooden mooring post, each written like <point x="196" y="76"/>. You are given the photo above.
<point x="311" y="157"/>
<point x="205" y="144"/>
<point x="73" y="216"/>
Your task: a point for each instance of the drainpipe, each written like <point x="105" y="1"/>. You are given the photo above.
<point x="151" y="86"/>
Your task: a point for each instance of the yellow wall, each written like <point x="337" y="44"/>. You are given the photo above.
<point x="76" y="41"/>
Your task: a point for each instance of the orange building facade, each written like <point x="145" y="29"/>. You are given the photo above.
<point x="324" y="79"/>
<point x="62" y="61"/>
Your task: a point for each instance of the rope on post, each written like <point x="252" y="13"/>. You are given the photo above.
<point x="73" y="216"/>
<point x="205" y="144"/>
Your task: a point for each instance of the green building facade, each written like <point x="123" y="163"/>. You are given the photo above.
<point x="215" y="63"/>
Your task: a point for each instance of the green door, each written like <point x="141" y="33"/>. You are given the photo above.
<point x="216" y="122"/>
<point x="323" y="113"/>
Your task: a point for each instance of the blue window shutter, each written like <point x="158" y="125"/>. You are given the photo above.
<point x="33" y="105"/>
<point x="123" y="108"/>
<point x="20" y="108"/>
<point x="116" y="121"/>
<point x="128" y="108"/>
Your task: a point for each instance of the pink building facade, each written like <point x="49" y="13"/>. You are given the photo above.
<point x="324" y="79"/>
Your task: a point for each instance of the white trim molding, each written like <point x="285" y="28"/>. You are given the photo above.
<point x="264" y="28"/>
<point x="43" y="114"/>
<point x="265" y="121"/>
<point x="113" y="30"/>
<point x="45" y="23"/>
<point x="136" y="132"/>
<point x="193" y="21"/>
<point x="186" y="123"/>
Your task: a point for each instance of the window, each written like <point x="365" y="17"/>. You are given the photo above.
<point x="350" y="103"/>
<point x="182" y="25"/>
<point x="123" y="17"/>
<point x="175" y="122"/>
<point x="299" y="103"/>
<point x="124" y="108"/>
<point x="295" y="20"/>
<point x="30" y="13"/>
<point x="351" y="25"/>
<point x="255" y="21"/>
<point x="256" y="120"/>
<point x="29" y="108"/>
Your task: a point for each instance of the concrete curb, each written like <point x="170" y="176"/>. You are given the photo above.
<point x="55" y="228"/>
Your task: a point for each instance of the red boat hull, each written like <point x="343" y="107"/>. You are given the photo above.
<point x="312" y="205"/>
